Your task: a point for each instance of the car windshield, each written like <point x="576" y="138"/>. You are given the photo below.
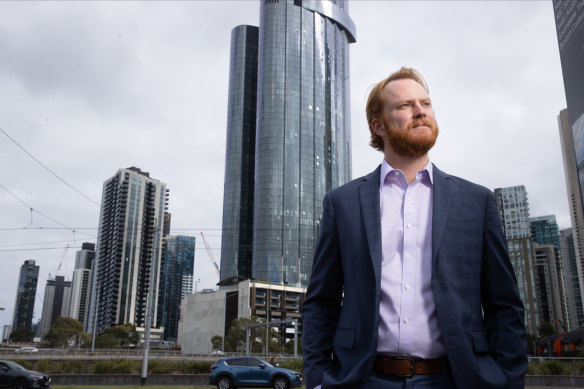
<point x="14" y="366"/>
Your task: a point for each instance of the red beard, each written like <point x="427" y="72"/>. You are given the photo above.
<point x="406" y="142"/>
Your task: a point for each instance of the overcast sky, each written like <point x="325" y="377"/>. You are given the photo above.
<point x="87" y="88"/>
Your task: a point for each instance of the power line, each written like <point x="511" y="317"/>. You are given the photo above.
<point x="47" y="168"/>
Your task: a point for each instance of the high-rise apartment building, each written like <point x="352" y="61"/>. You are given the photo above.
<point x="544" y="230"/>
<point x="550" y="270"/>
<point x="57" y="303"/>
<point x="129" y="245"/>
<point x="80" y="285"/>
<point x="576" y="265"/>
<point x="302" y="145"/>
<point x="573" y="296"/>
<point x="25" y="295"/>
<point x="513" y="207"/>
<point x="178" y="261"/>
<point x="550" y="283"/>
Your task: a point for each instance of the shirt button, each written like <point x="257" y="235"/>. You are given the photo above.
<point x="408" y="256"/>
<point x="406" y="320"/>
<point x="409" y="226"/>
<point x="408" y="286"/>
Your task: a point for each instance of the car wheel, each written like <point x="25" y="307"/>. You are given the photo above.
<point x="224" y="382"/>
<point x="20" y="384"/>
<point x="281" y="383"/>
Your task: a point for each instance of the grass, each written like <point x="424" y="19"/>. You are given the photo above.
<point x="142" y="387"/>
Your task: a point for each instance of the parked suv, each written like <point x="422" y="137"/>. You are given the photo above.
<point x="12" y="375"/>
<point x="229" y="373"/>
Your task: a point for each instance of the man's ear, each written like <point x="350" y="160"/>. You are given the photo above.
<point x="377" y="127"/>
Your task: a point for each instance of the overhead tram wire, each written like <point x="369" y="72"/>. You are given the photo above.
<point x="48" y="169"/>
<point x="40" y="213"/>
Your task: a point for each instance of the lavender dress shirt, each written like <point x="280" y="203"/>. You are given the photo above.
<point x="408" y="323"/>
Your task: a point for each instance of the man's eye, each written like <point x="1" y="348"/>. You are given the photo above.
<point x="405" y="105"/>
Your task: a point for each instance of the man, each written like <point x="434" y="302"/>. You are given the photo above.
<point x="411" y="284"/>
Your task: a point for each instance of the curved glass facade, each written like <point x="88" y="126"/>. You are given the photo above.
<point x="303" y="138"/>
<point x="236" y="241"/>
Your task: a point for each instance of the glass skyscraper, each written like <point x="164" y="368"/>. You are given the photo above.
<point x="178" y="261"/>
<point x="25" y="295"/>
<point x="302" y="135"/>
<point x="236" y="241"/>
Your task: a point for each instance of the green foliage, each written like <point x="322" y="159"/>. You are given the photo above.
<point x="106" y="341"/>
<point x="66" y="332"/>
<point x="217" y="342"/>
<point x="178" y="367"/>
<point x="547" y="329"/>
<point x="21" y="335"/>
<point x="553" y="368"/>
<point x="124" y="335"/>
<point x="118" y="366"/>
<point x="293" y="364"/>
<point x="236" y="338"/>
<point x="289" y="347"/>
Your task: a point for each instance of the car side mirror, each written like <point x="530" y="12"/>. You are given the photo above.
<point x="262" y="366"/>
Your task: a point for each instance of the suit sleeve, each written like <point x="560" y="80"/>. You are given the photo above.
<point x="321" y="308"/>
<point x="503" y="309"/>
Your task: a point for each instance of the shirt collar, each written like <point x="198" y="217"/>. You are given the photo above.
<point x="386" y="168"/>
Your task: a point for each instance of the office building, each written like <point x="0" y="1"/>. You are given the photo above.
<point x="575" y="268"/>
<point x="302" y="145"/>
<point x="210" y="313"/>
<point x="57" y="303"/>
<point x="129" y="245"/>
<point x="178" y="261"/>
<point x="513" y="207"/>
<point x="6" y="333"/>
<point x="551" y="287"/>
<point x="80" y="285"/>
<point x="25" y="295"/>
<point x="187" y="285"/>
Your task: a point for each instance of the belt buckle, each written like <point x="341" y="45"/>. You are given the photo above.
<point x="412" y="366"/>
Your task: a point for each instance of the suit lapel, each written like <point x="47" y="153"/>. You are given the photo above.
<point x="369" y="201"/>
<point x="440" y="207"/>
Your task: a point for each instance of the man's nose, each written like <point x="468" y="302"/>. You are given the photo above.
<point x="420" y="111"/>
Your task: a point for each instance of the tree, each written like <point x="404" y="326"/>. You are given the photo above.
<point x="66" y="332"/>
<point x="289" y="346"/>
<point x="124" y="335"/>
<point x="217" y="342"/>
<point x="21" y="335"/>
<point x="547" y="329"/>
<point x="236" y="338"/>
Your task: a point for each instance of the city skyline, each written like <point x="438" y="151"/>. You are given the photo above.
<point x="73" y="91"/>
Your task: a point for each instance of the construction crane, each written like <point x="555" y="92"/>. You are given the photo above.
<point x="211" y="256"/>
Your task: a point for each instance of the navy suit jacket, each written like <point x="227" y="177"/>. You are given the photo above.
<point x="475" y="292"/>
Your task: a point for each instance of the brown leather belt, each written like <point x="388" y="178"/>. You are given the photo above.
<point x="408" y="367"/>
